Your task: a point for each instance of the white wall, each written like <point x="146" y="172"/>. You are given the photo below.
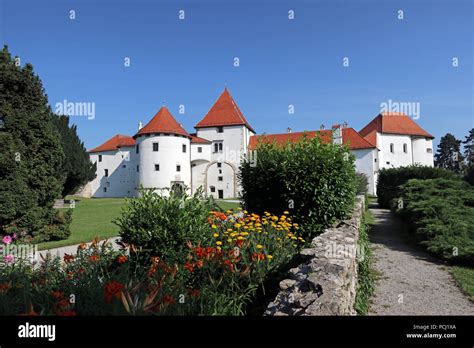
<point x="122" y="178"/>
<point x="365" y="163"/>
<point x="226" y="185"/>
<point x="398" y="158"/>
<point x="420" y="153"/>
<point x="168" y="157"/>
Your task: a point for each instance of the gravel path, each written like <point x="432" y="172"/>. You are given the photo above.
<point x="72" y="249"/>
<point x="411" y="282"/>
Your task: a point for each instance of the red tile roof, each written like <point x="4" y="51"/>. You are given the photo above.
<point x="372" y="137"/>
<point x="224" y="112"/>
<point x="394" y="123"/>
<point x="349" y="136"/>
<point x="197" y="140"/>
<point x="163" y="122"/>
<point x="115" y="143"/>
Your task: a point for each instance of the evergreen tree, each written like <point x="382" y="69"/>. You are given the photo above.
<point x="449" y="155"/>
<point x="469" y="147"/>
<point x="31" y="153"/>
<point x="77" y="168"/>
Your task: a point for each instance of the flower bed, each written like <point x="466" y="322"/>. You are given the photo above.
<point x="219" y="276"/>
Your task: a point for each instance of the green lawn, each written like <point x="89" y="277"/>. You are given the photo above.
<point x="464" y="276"/>
<point x="92" y="217"/>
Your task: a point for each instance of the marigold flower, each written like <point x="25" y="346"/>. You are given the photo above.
<point x="237" y="225"/>
<point x="215" y="235"/>
<point x="259" y="246"/>
<point x="121" y="259"/>
<point x="219" y="242"/>
<point x="94" y="258"/>
<point x="269" y="257"/>
<point x="82" y="246"/>
<point x="214" y="226"/>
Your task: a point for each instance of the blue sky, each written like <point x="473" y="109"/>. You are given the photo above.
<point x="282" y="61"/>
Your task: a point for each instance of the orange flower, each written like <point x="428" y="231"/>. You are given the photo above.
<point x="5" y="287"/>
<point x="199" y="263"/>
<point x="94" y="258"/>
<point x="258" y="256"/>
<point x="194" y="293"/>
<point x="121" y="259"/>
<point x="57" y="295"/>
<point x="82" y="246"/>
<point x="112" y="289"/>
<point x="189" y="266"/>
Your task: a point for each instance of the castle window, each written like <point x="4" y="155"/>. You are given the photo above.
<point x="219" y="165"/>
<point x="218" y="146"/>
<point x="199" y="149"/>
<point x="392" y="150"/>
<point x="157" y="167"/>
<point x="155" y="147"/>
<point x="178" y="168"/>
<point x="100" y="158"/>
<point x="220" y="178"/>
<point x="213" y="189"/>
<point x="184" y="148"/>
<point x="138" y="168"/>
<point x="124" y="166"/>
<point x="105" y="189"/>
<point x="429" y="150"/>
<point x="137" y="148"/>
<point x="220" y="171"/>
<point x="220" y="129"/>
<point x="106" y="172"/>
<point x="405" y="148"/>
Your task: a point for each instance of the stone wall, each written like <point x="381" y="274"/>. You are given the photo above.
<point x="325" y="284"/>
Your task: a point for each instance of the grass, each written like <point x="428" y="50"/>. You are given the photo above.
<point x="92" y="217"/>
<point x="227" y="205"/>
<point x="464" y="277"/>
<point x="366" y="274"/>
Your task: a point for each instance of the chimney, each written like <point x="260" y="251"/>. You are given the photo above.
<point x="288" y="130"/>
<point x="322" y="127"/>
<point x="345" y="124"/>
<point x="140" y="125"/>
<point x="337" y="134"/>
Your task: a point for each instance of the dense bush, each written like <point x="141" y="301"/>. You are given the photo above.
<point x="441" y="214"/>
<point x="161" y="224"/>
<point x="390" y="179"/>
<point x="469" y="176"/>
<point x="219" y="277"/>
<point x="362" y="183"/>
<point x="315" y="181"/>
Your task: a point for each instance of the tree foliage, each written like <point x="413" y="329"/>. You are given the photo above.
<point x="31" y="154"/>
<point x="77" y="168"/>
<point x="449" y="155"/>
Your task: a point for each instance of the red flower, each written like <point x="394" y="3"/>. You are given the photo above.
<point x="239" y="242"/>
<point x="57" y="295"/>
<point x="68" y="257"/>
<point x="94" y="258"/>
<point x="229" y="264"/>
<point x="258" y="257"/>
<point x="189" y="266"/>
<point x="194" y="293"/>
<point x="112" y="289"/>
<point x="168" y="299"/>
<point x="199" y="263"/>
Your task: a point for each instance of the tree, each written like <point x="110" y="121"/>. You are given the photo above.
<point x="449" y="155"/>
<point x="469" y="147"/>
<point x="77" y="168"/>
<point x="31" y="154"/>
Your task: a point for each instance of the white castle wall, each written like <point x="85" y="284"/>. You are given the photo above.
<point x="365" y="163"/>
<point x="420" y="148"/>
<point x="168" y="156"/>
<point x="398" y="158"/>
<point x="122" y="179"/>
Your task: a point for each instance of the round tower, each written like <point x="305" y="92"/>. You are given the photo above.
<point x="164" y="151"/>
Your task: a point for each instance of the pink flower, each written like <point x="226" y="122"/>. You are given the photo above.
<point x="14" y="236"/>
<point x="7" y="239"/>
<point x="8" y="258"/>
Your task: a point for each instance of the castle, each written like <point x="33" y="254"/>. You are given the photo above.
<point x="162" y="154"/>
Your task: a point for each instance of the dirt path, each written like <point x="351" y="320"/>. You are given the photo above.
<point x="411" y="281"/>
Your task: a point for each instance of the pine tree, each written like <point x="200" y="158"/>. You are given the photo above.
<point x="77" y="168"/>
<point x="449" y="155"/>
<point x="469" y="147"/>
<point x="31" y="153"/>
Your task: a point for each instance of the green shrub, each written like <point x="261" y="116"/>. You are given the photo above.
<point x="441" y="214"/>
<point x="362" y="183"/>
<point x="161" y="225"/>
<point x="469" y="176"/>
<point x="313" y="180"/>
<point x="390" y="179"/>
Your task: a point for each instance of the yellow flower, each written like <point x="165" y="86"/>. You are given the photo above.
<point x="278" y="239"/>
<point x="258" y="224"/>
<point x="240" y="238"/>
<point x="229" y="211"/>
<point x="259" y="246"/>
<point x="229" y="230"/>
<point x="214" y="226"/>
<point x="269" y="257"/>
<point x="286" y="212"/>
<point x="219" y="242"/>
<point x="219" y="248"/>
<point x="216" y="235"/>
<point x="233" y="234"/>
<point x="229" y="240"/>
<point x="237" y="225"/>
<point x="246" y="212"/>
<point x="239" y="208"/>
